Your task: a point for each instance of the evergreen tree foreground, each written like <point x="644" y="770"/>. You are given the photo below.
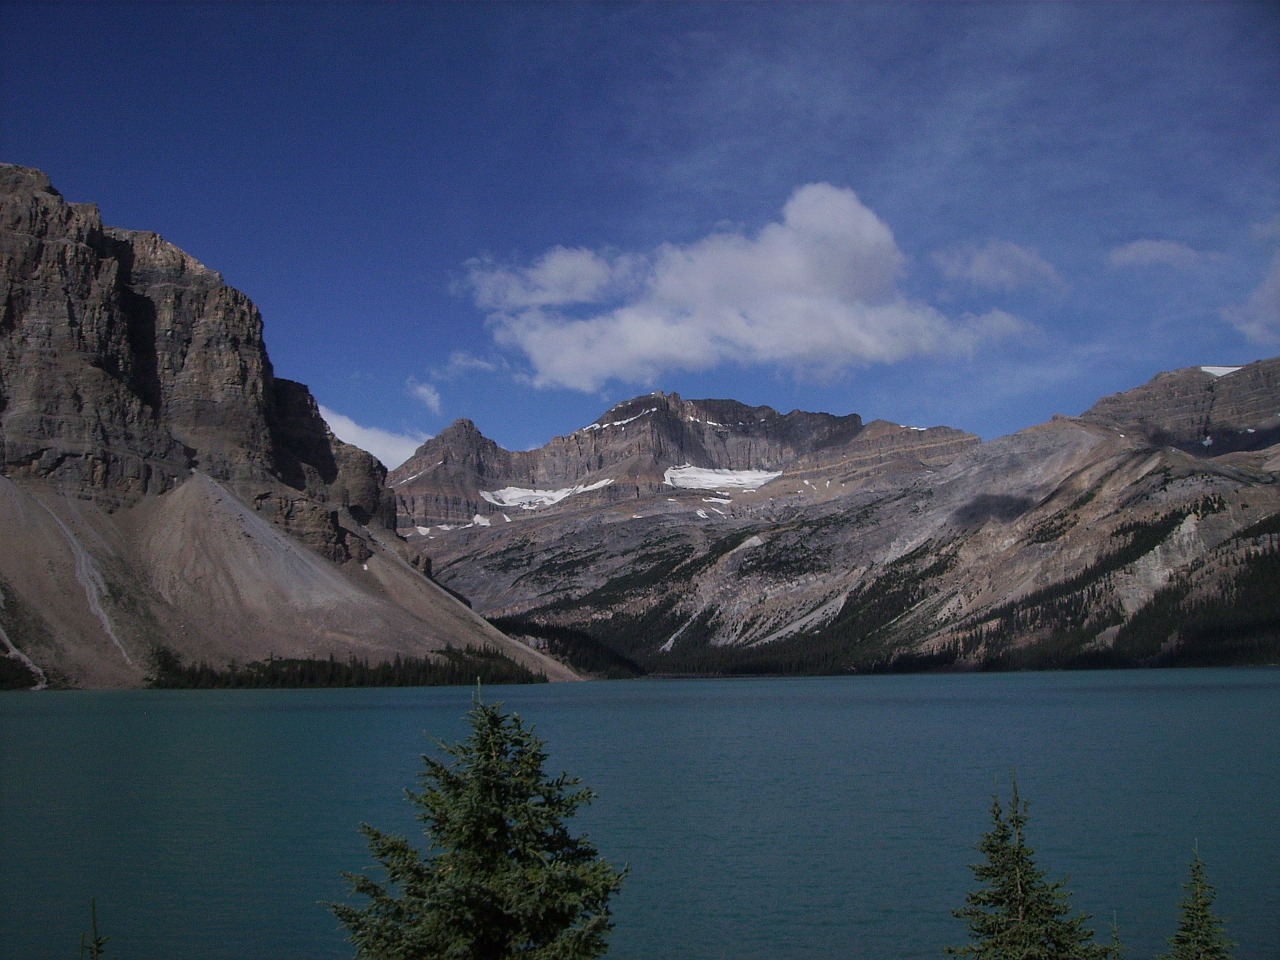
<point x="503" y="877"/>
<point x="1201" y="935"/>
<point x="1017" y="914"/>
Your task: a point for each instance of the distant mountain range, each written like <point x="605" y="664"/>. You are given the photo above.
<point x="646" y="447"/>
<point x="160" y="487"/>
<point x="698" y="536"/>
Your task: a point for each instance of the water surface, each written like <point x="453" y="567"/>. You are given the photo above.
<point x="779" y="818"/>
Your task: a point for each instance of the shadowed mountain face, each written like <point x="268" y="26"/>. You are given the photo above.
<point x="701" y="536"/>
<point x="158" y="484"/>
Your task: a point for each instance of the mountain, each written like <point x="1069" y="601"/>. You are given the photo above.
<point x="159" y="485"/>
<point x="647" y="446"/>
<point x="705" y="536"/>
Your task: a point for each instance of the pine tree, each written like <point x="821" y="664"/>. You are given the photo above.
<point x="93" y="944"/>
<point x="1201" y="935"/>
<point x="504" y="878"/>
<point x="1017" y="914"/>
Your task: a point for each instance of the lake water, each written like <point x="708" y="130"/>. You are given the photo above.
<point x="773" y="818"/>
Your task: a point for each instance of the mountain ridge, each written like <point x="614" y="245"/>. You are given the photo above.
<point x="1065" y="544"/>
<point x="628" y="452"/>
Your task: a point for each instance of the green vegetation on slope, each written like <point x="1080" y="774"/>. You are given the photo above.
<point x="14" y="674"/>
<point x="1237" y="623"/>
<point x="451" y="668"/>
<point x="575" y="647"/>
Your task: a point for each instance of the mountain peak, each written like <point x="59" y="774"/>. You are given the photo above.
<point x="16" y="178"/>
<point x="643" y="448"/>
<point x="1205" y="411"/>
<point x="462" y="427"/>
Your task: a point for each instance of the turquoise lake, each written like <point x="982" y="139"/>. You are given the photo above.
<point x="767" y="818"/>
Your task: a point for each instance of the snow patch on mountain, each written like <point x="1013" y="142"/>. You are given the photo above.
<point x="701" y="478"/>
<point x="527" y="499"/>
<point x="618" y="423"/>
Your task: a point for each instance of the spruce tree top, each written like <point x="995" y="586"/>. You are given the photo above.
<point x="1017" y="914"/>
<point x="1201" y="935"/>
<point x="504" y="877"/>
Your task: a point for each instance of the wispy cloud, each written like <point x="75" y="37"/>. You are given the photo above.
<point x="426" y="394"/>
<point x="815" y="293"/>
<point x="463" y="364"/>
<point x="392" y="449"/>
<point x="1168" y="253"/>
<point x="1001" y="266"/>
<point x="1258" y="318"/>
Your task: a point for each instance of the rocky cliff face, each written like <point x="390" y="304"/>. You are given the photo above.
<point x="135" y="393"/>
<point x="126" y="364"/>
<point x="1206" y="411"/>
<point x="1120" y="537"/>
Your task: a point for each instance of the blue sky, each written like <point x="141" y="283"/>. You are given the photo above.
<point x="934" y="213"/>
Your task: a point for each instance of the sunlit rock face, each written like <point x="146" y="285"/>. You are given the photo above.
<point x="706" y="535"/>
<point x="143" y="432"/>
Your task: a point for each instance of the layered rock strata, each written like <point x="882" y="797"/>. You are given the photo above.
<point x="126" y="364"/>
<point x="1205" y="410"/>
<point x="624" y="457"/>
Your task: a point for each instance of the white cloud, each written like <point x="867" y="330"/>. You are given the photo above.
<point x="1258" y="318"/>
<point x="1169" y="253"/>
<point x="814" y="293"/>
<point x="392" y="449"/>
<point x="428" y="395"/>
<point x="999" y="265"/>
<point x="562" y="276"/>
